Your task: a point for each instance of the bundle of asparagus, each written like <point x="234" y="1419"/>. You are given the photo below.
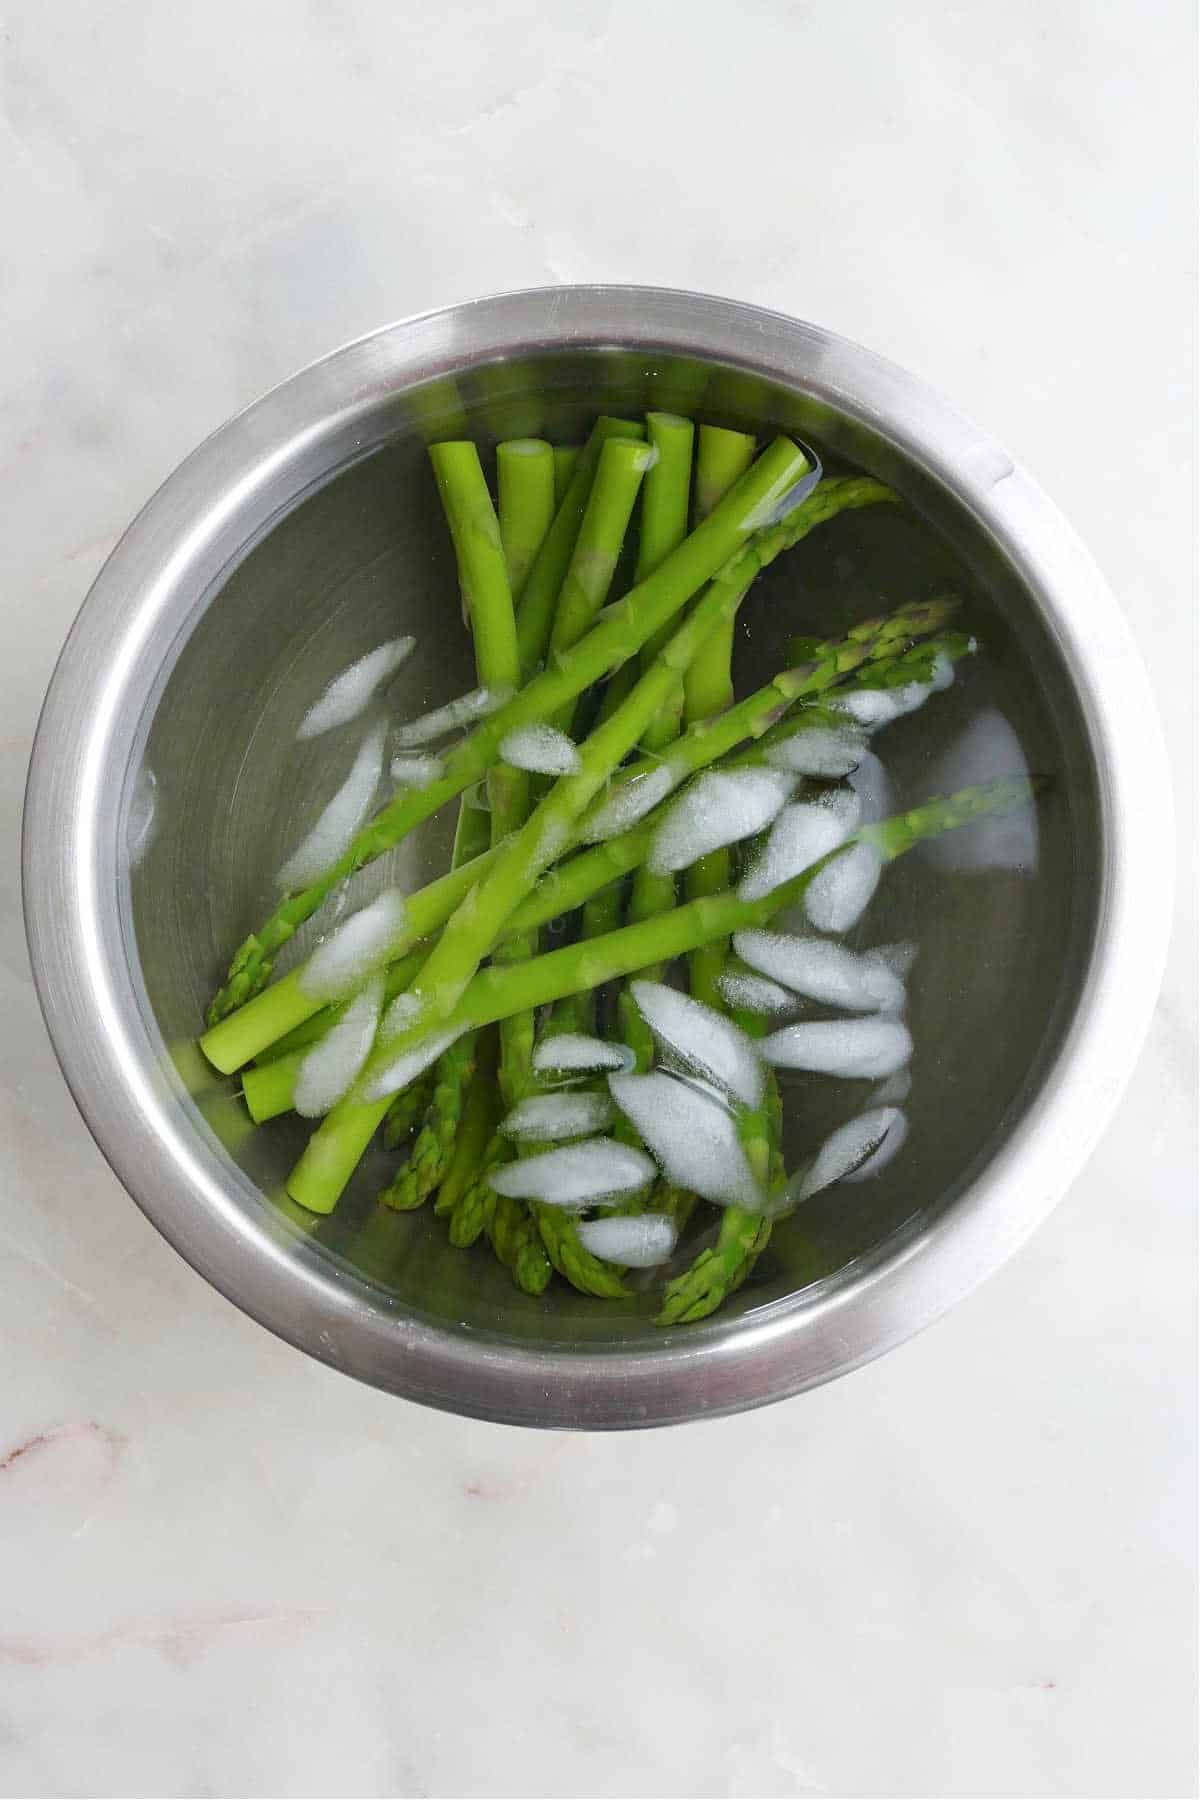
<point x="607" y="774"/>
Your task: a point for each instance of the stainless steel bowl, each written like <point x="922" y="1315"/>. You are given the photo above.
<point x="165" y="779"/>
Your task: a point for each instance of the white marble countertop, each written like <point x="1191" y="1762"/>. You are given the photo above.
<point x="225" y="1570"/>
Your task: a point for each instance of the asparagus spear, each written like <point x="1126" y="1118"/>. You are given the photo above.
<point x="495" y="991"/>
<point x="480" y="919"/>
<point x="518" y="1244"/>
<point x="863" y="658"/>
<point x="742" y="1236"/>
<point x="619" y="635"/>
<point x="664" y="524"/>
<point x="469" y="1213"/>
<point x="559" y="1231"/>
<point x="708" y="692"/>
<point x="708" y="685"/>
<point x="709" y="472"/>
<point x="661" y="527"/>
<point x="878" y="638"/>
<point x="556" y="1233"/>
<point x="482" y="571"/>
<point x="716" y="1272"/>
<point x="664" y="517"/>
<point x="479" y="1118"/>
<point x="601" y="535"/>
<point x="722" y="457"/>
<point x="565" y="458"/>
<point x="512" y="1230"/>
<point x="525" y="503"/>
<point x="410" y="1104"/>
<point x="471" y="836"/>
<point x="431" y="1155"/>
<point x="335" y="1148"/>
<point x="540" y="596"/>
<point x="316" y="1021"/>
<point x="487" y="594"/>
<point x="618" y="473"/>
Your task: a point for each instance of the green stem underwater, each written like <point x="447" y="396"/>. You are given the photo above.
<point x="495" y="992"/>
<point x="617" y="635"/>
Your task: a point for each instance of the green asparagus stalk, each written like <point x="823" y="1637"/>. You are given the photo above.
<point x="664" y="521"/>
<point x="471" y="836"/>
<point x="722" y="457"/>
<point x="742" y="1236"/>
<point x="506" y="408"/>
<point x="482" y="571"/>
<point x="433" y="1150"/>
<point x="576" y="1264"/>
<point x="484" y="576"/>
<point x="510" y="1227"/>
<point x="620" y="634"/>
<point x="473" y="828"/>
<point x="525" y="495"/>
<point x="559" y="1230"/>
<point x="334" y="1150"/>
<point x="319" y="1019"/>
<point x="479" y="921"/>
<point x="880" y="639"/>
<point x="601" y="535"/>
<point x="479" y="1119"/>
<point x="660" y="528"/>
<point x="664" y="524"/>
<point x="439" y="410"/>
<point x="268" y="1087"/>
<point x="485" y="563"/>
<point x="544" y="583"/>
<point x="469" y="1213"/>
<point x="409" y="1105"/>
<point x="863" y="657"/>
<point x="565" y="458"/>
<point x="708" y="692"/>
<point x="517" y="1243"/>
<point x="716" y="1272"/>
<point x="617" y="691"/>
<point x="496" y="991"/>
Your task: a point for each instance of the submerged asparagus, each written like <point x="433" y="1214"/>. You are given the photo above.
<point x="525" y="504"/>
<point x="664" y="524"/>
<point x="709" y="692"/>
<point x="479" y="920"/>
<point x="787" y="703"/>
<point x="619" y="635"/>
<point x="659" y="663"/>
<point x="335" y="1148"/>
<point x="708" y="686"/>
<point x="580" y="1013"/>
<point x="484" y="578"/>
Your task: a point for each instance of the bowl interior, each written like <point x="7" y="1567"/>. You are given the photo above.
<point x="1002" y="919"/>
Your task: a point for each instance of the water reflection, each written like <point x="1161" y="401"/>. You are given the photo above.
<point x="989" y="747"/>
<point x="141" y="821"/>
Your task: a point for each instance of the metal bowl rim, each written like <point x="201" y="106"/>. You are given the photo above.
<point x="225" y="495"/>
